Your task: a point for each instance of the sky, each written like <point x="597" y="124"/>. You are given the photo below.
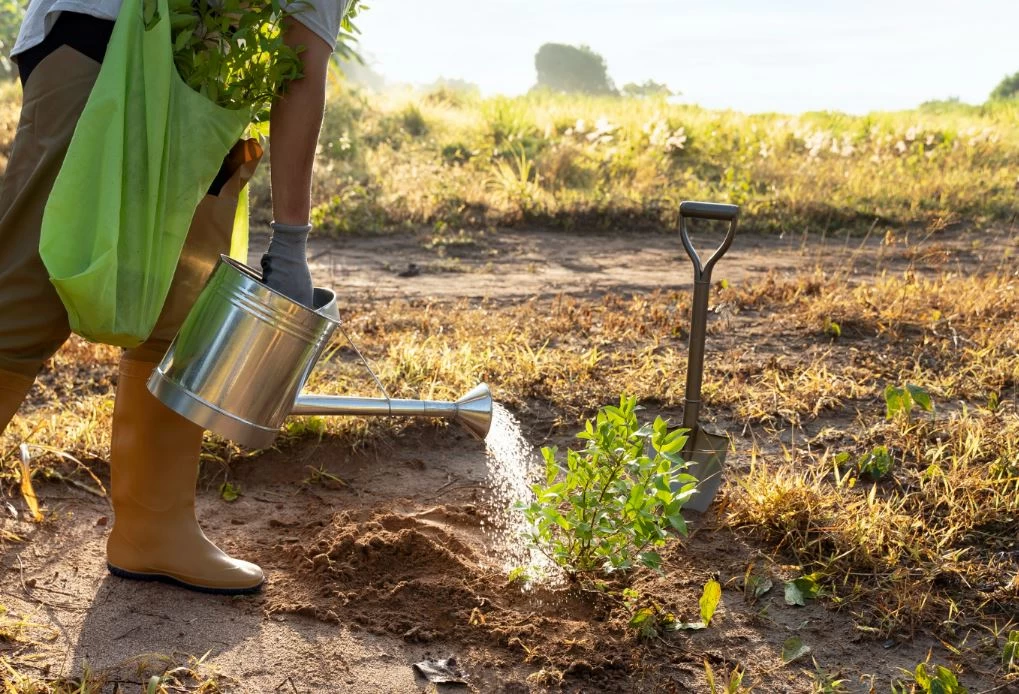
<point x="749" y="55"/>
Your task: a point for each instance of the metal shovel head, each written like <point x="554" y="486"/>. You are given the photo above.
<point x="706" y="459"/>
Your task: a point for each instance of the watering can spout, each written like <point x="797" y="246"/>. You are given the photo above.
<point x="474" y="411"/>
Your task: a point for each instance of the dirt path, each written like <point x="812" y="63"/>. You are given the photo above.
<point x="513" y="265"/>
<point x="400" y="561"/>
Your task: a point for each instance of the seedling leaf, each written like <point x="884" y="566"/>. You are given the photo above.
<point x="793" y="649"/>
<point x="757" y="586"/>
<point x="709" y="600"/>
<point x="920" y="397"/>
<point x="804" y="588"/>
<point x="895" y="401"/>
<point x="1010" y="653"/>
<point x="229" y="492"/>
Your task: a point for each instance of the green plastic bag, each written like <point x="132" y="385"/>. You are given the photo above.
<point x="142" y="156"/>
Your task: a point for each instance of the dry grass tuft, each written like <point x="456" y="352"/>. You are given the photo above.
<point x="933" y="545"/>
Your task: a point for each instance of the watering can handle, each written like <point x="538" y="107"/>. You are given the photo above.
<point x="699" y="308"/>
<point x="706" y="210"/>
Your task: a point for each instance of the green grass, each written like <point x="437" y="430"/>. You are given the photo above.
<point x="599" y="162"/>
<point x="582" y="163"/>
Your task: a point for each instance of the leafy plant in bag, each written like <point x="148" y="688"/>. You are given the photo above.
<point x="232" y="52"/>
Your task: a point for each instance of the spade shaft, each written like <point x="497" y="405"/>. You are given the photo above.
<point x="704" y="451"/>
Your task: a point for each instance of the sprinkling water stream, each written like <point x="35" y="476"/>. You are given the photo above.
<point x="513" y="465"/>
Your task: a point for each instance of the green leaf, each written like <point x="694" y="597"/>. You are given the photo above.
<point x="804" y="588"/>
<point x="896" y="401"/>
<point x="757" y="586"/>
<point x="793" y="649"/>
<point x="229" y="492"/>
<point x="651" y="560"/>
<point x="678" y="523"/>
<point x="709" y="600"/>
<point x="921" y="397"/>
<point x="520" y="573"/>
<point x="183" y="40"/>
<point x="1010" y="653"/>
<point x="941" y="681"/>
<point x="876" y="464"/>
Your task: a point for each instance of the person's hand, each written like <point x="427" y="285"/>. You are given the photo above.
<point x="285" y="265"/>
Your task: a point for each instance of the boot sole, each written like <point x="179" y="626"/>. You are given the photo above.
<point x="170" y="580"/>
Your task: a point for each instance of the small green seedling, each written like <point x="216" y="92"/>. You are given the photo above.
<point x="832" y="329"/>
<point x="734" y="685"/>
<point x="229" y="491"/>
<point x="1010" y="653"/>
<point x="709" y="600"/>
<point x="876" y="463"/>
<point x="648" y="619"/>
<point x="901" y="401"/>
<point x="613" y="504"/>
<point x="936" y="680"/>
<point x="804" y="588"/>
<point x="793" y="649"/>
<point x="826" y="682"/>
<point x="710" y="597"/>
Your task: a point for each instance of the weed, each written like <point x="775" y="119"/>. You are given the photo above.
<point x="825" y="682"/>
<point x="648" y="619"/>
<point x="228" y="491"/>
<point x="319" y="475"/>
<point x="732" y="684"/>
<point x="936" y="680"/>
<point x="875" y="463"/>
<point x="1010" y="653"/>
<point x="899" y="402"/>
<point x="804" y="588"/>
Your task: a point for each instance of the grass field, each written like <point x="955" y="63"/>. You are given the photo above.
<point x="905" y="517"/>
<point x="581" y="163"/>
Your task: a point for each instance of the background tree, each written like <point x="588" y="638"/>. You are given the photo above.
<point x="564" y="68"/>
<point x="649" y="88"/>
<point x="11" y="12"/>
<point x="1007" y="88"/>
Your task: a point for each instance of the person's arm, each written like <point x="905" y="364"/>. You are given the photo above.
<point x="294" y="126"/>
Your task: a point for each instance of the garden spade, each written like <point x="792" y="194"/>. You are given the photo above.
<point x="704" y="450"/>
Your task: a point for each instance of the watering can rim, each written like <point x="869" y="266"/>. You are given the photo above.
<point x="326" y="309"/>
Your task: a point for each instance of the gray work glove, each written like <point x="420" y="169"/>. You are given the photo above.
<point x="285" y="264"/>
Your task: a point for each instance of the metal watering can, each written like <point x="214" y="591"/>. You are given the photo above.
<point x="244" y="353"/>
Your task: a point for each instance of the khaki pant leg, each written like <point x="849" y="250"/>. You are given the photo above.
<point x="208" y="238"/>
<point x="33" y="321"/>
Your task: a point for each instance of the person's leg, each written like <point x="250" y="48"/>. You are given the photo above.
<point x="155" y="452"/>
<point x="154" y="459"/>
<point x="13" y="388"/>
<point x="33" y="322"/>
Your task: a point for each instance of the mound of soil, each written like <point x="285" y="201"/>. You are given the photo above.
<point x="417" y="575"/>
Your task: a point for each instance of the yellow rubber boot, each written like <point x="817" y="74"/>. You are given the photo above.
<point x="13" y="388"/>
<point x="154" y="469"/>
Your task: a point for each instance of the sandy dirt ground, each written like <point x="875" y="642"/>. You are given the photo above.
<point x="406" y="559"/>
